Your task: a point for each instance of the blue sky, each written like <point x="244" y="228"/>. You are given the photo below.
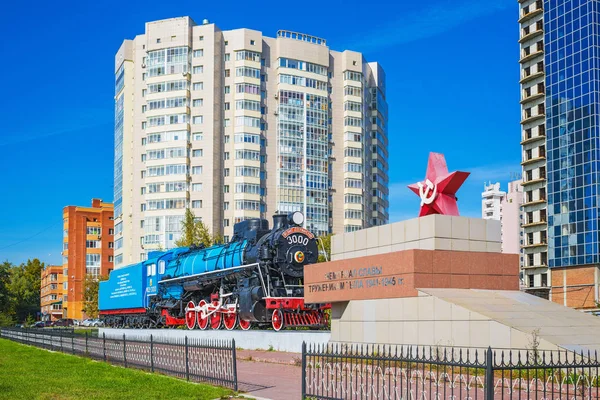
<point x="452" y="81"/>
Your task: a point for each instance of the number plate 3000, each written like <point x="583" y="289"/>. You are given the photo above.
<point x="297" y="239"/>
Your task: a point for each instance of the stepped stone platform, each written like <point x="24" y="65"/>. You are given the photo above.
<point x="289" y="341"/>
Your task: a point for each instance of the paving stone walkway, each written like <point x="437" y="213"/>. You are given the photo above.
<point x="270" y="374"/>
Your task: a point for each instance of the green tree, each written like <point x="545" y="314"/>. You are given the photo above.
<point x="195" y="232"/>
<point x="29" y="321"/>
<point x="5" y="296"/>
<point x="24" y="288"/>
<point x="325" y="242"/>
<point x="91" y="285"/>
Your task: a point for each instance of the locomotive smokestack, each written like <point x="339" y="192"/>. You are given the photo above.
<point x="279" y="221"/>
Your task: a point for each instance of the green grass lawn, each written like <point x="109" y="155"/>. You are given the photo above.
<point x="30" y="373"/>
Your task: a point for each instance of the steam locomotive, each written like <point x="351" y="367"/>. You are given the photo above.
<point x="256" y="278"/>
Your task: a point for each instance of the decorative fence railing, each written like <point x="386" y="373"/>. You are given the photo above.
<point x="212" y="361"/>
<point x="342" y="371"/>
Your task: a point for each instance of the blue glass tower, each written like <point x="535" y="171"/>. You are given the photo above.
<point x="571" y="52"/>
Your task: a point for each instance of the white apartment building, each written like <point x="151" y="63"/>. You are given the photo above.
<point x="491" y="198"/>
<point x="533" y="145"/>
<point x="512" y="217"/>
<point x="237" y="125"/>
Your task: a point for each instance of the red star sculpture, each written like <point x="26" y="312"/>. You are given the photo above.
<point x="438" y="190"/>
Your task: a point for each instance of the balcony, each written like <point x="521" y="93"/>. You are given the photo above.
<point x="531" y="35"/>
<point x="534" y="202"/>
<point x="533" y="181"/>
<point x="532" y="118"/>
<point x="532" y="97"/>
<point x="533" y="160"/>
<point x="530" y="77"/>
<point x="532" y="139"/>
<point x="530" y="14"/>
<point x="528" y="57"/>
<point x="534" y="266"/>
<point x="534" y="245"/>
<point x="535" y="223"/>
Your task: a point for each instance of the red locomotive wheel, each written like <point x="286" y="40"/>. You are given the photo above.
<point x="190" y="315"/>
<point x="245" y="325"/>
<point x="229" y="320"/>
<point x="277" y="319"/>
<point x="215" y="320"/>
<point x="202" y="322"/>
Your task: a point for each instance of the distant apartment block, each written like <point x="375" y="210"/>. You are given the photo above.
<point x="88" y="242"/>
<point x="51" y="293"/>
<point x="236" y="125"/>
<point x="505" y="207"/>
<point x="512" y="216"/>
<point x="490" y="201"/>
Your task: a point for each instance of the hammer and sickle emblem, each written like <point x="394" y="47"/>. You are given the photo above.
<point x="424" y="192"/>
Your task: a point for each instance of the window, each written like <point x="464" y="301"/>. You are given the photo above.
<point x="227" y="73"/>
<point x="253" y="172"/>
<point x="196" y="203"/>
<point x="227" y="89"/>
<point x="201" y="38"/>
<point x="199" y="52"/>
<point x="196" y="187"/>
<point x="93" y="230"/>
<point x="157" y="40"/>
<point x="197" y="153"/>
<point x="227" y="55"/>
<point x="225" y="222"/>
<point x="111" y="245"/>
<point x="226" y="155"/>
<point x="226" y="139"/>
<point x="197" y="170"/>
<point x="198" y="119"/>
<point x="247" y="72"/>
<point x="247" y="88"/>
<point x="352" y="76"/>
<point x="93" y="244"/>
<point x="247" y="121"/>
<point x="197" y="136"/>
<point x="198" y="102"/>
<point x="227" y="106"/>
<point x="226" y="205"/>
<point x="111" y="231"/>
<point x="225" y="188"/>
<point x="252" y="42"/>
<point x="198" y="69"/>
<point x="226" y="122"/>
<point x="198" y="85"/>
<point x="247" y="55"/>
<point x="544" y="280"/>
<point x="246" y="138"/>
<point x="251" y="105"/>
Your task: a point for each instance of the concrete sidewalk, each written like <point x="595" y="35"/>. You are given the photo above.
<point x="270" y="374"/>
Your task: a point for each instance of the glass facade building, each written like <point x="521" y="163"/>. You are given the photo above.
<point x="572" y="121"/>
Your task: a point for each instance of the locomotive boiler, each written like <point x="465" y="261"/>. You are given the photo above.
<point x="256" y="278"/>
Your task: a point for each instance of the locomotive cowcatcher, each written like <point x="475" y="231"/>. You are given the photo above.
<point x="256" y="278"/>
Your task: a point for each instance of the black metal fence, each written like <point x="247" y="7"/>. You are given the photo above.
<point x="212" y="361"/>
<point x="343" y="371"/>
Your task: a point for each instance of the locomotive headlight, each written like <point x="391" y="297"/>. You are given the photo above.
<point x="299" y="257"/>
<point x="297" y="218"/>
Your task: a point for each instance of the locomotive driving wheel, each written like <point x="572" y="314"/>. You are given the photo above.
<point x="245" y="325"/>
<point x="190" y="315"/>
<point x="202" y="322"/>
<point x="277" y="320"/>
<point x="215" y="320"/>
<point x="229" y="320"/>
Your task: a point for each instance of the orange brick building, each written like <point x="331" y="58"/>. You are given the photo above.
<point x="51" y="293"/>
<point x="88" y="244"/>
<point x="576" y="287"/>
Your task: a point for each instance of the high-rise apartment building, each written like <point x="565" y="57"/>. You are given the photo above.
<point x="491" y="197"/>
<point x="561" y="149"/>
<point x="51" y="293"/>
<point x="87" y="251"/>
<point x="533" y="143"/>
<point x="237" y="125"/>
